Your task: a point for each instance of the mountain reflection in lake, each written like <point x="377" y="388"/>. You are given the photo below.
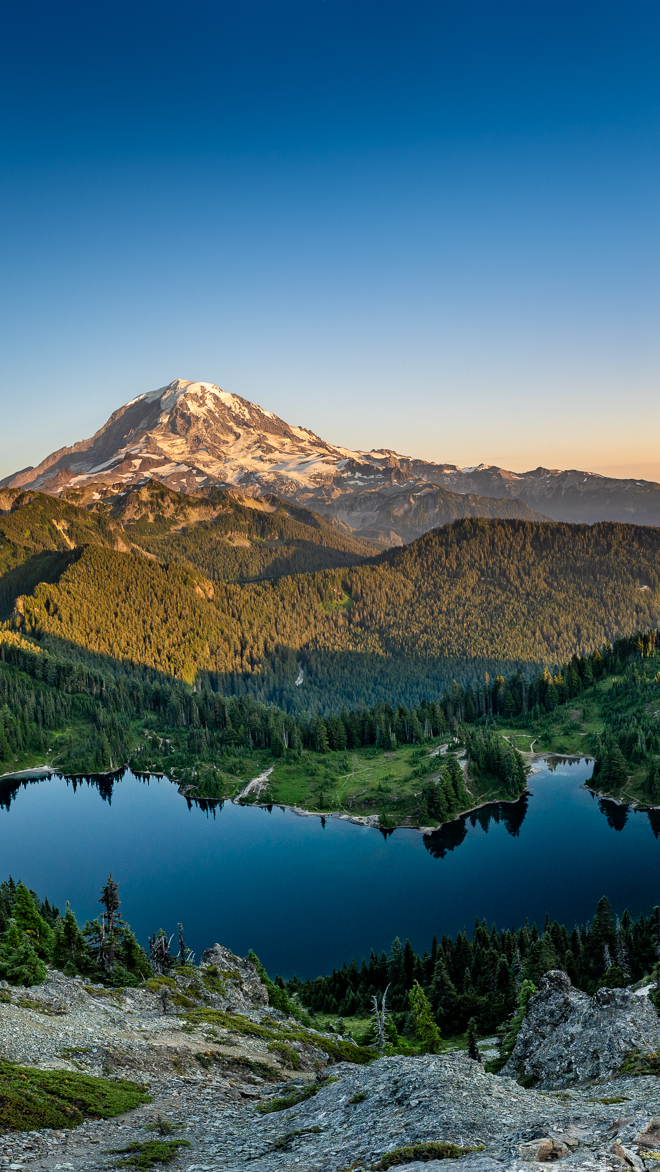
<point x="309" y="893"/>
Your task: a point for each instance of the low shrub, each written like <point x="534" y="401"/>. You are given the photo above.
<point x="31" y="1099"/>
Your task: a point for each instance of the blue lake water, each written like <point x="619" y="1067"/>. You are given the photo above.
<point x="307" y="895"/>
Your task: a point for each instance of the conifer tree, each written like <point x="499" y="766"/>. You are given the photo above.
<point x="425" y="1026"/>
<point x="472" y="1047"/>
<point x="31" y="923"/>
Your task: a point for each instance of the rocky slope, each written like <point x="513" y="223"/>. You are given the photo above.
<point x="246" y="1088"/>
<point x="194" y="436"/>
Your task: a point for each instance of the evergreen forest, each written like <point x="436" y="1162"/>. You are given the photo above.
<point x="472" y="597"/>
<point x="461" y="983"/>
<point x="481" y="978"/>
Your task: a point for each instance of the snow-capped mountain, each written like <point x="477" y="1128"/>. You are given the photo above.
<point x="188" y="435"/>
<point x="191" y="435"/>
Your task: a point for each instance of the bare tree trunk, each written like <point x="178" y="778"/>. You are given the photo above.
<point x="380" y="1016"/>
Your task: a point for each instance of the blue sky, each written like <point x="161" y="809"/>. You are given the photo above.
<point x="426" y="225"/>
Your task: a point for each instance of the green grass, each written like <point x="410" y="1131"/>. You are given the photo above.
<point x="422" y="1152"/>
<point x="359" y="782"/>
<point x="148" y="1153"/>
<point x="366" y="781"/>
<point x="31" y="1099"/>
<point x="337" y="1050"/>
<point x="362" y="781"/>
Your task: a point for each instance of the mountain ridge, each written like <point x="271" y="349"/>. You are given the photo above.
<point x="194" y="436"/>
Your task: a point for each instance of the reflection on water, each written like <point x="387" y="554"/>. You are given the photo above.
<point x="103" y="782"/>
<point x="438" y="843"/>
<point x="286" y="886"/>
<point x="616" y="815"/>
<point x="452" y="834"/>
<point x="555" y="761"/>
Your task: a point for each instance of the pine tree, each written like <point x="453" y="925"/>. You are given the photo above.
<point x="425" y="1026"/>
<point x="617" y="772"/>
<point x="69" y="947"/>
<point x="31" y="923"/>
<point x="472" y="1047"/>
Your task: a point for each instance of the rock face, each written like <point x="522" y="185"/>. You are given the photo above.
<point x="568" y="1037"/>
<point x="193" y="435"/>
<point x="395" y="1103"/>
<point x="246" y="991"/>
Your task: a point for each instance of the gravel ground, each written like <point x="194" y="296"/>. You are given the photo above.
<point x="358" y="1114"/>
<point x="406" y="1101"/>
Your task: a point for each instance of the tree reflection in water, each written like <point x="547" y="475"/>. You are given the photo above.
<point x="446" y="838"/>
<point x="103" y="782"/>
<point x="616" y="815"/>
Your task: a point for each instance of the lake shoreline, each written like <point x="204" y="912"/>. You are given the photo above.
<point x="632" y="803"/>
<point x="372" y="820"/>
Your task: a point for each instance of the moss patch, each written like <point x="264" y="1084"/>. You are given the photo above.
<point x="96" y="991"/>
<point x="207" y="1058"/>
<point x="46" y="1007"/>
<point x="288" y="1056"/>
<point x="214" y="980"/>
<point x="155" y="984"/>
<point x="30" y="1099"/>
<point x="292" y="1100"/>
<point x="639" y="1063"/>
<point x="284" y="1143"/>
<point x="423" y="1153"/>
<point x="150" y="1152"/>
<point x="338" y="1051"/>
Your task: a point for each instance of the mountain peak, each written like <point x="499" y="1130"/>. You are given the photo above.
<point x="192" y="436"/>
<point x="203" y="395"/>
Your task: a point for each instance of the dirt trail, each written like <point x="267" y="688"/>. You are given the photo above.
<point x="257" y="785"/>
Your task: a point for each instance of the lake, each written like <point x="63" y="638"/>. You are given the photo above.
<point x="307" y="894"/>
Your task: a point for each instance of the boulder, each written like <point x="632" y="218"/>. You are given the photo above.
<point x="569" y="1037"/>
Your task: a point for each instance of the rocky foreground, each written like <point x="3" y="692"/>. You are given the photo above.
<point x="245" y="1087"/>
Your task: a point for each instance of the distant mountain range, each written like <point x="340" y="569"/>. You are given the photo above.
<point x="196" y="438"/>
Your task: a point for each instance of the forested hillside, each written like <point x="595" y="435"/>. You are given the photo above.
<point x="471" y="597"/>
<point x="226" y="536"/>
<point x="219" y="534"/>
<point x="383" y="760"/>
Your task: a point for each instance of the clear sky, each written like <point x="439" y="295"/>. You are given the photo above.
<point x="431" y="225"/>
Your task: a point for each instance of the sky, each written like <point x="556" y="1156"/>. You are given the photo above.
<point x="429" y="226"/>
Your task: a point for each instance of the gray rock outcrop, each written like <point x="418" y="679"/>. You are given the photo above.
<point x="568" y="1037"/>
<point x="245" y="990"/>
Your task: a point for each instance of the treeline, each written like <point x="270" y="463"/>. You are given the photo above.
<point x="472" y="596"/>
<point x="34" y="934"/>
<point x="480" y="978"/>
<point x="40" y="692"/>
